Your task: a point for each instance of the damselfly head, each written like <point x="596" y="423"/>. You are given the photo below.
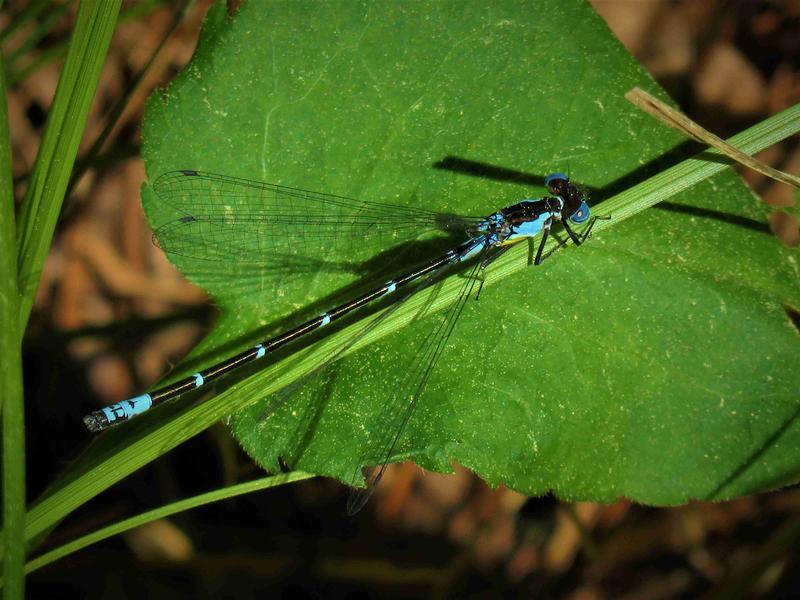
<point x="574" y="206"/>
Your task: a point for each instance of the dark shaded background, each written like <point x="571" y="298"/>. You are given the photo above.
<point x="112" y="315"/>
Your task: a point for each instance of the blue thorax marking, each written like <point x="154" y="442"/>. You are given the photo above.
<point x="529" y="228"/>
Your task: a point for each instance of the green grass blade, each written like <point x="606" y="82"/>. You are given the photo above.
<point x="688" y="173"/>
<point x="10" y="374"/>
<point x="119" y="452"/>
<point x="76" y="86"/>
<point x="164" y="512"/>
<point x="90" y="158"/>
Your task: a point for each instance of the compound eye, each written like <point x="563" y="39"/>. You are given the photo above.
<point x="580" y="215"/>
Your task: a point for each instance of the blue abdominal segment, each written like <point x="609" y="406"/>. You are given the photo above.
<point x="128" y="408"/>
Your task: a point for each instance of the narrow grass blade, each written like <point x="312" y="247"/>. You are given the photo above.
<point x="163" y="512"/>
<point x="10" y="374"/>
<point x="93" y="28"/>
<point x="680" y="122"/>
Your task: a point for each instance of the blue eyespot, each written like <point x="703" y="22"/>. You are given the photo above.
<point x="580" y="215"/>
<point x="553" y="177"/>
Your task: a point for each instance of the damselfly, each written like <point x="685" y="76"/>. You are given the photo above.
<point x="231" y="219"/>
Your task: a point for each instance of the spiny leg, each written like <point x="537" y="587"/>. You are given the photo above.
<point x="584" y="236"/>
<point x="588" y="232"/>
<point x="594" y="219"/>
<point x="545" y="233"/>
<point x="575" y="239"/>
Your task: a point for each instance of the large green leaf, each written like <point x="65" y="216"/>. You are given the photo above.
<point x="656" y="362"/>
